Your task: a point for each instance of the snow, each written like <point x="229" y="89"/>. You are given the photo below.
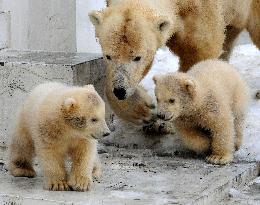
<point x="164" y="62"/>
<point x="246" y="58"/>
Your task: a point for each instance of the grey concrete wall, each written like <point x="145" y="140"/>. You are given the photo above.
<point x="52" y="25"/>
<point x="48" y="25"/>
<point x="86" y="41"/>
<point x="19" y="22"/>
<point x="4" y="29"/>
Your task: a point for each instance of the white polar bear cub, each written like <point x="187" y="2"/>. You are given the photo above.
<point x="57" y="120"/>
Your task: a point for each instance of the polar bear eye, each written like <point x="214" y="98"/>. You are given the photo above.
<point x="94" y="120"/>
<point x="108" y="57"/>
<point x="138" y="58"/>
<point x="172" y="101"/>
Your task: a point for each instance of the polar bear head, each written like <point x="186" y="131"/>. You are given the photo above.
<point x="176" y="95"/>
<point x="83" y="112"/>
<point x="129" y="33"/>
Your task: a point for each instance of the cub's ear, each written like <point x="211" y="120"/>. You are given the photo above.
<point x="96" y="17"/>
<point x="190" y="87"/>
<point x="70" y="104"/>
<point x="90" y="87"/>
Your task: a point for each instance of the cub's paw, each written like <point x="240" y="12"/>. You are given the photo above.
<point x="80" y="183"/>
<point x="159" y="127"/>
<point x="56" y="185"/>
<point x="23" y="172"/>
<point x="219" y="159"/>
<point x="22" y="169"/>
<point x="96" y="173"/>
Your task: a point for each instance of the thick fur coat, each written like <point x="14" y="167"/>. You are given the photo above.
<point x="57" y="121"/>
<point x="207" y="106"/>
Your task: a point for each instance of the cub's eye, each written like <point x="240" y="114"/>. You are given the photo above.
<point x="157" y="99"/>
<point x="138" y="58"/>
<point x="172" y="101"/>
<point x="108" y="57"/>
<point x="94" y="120"/>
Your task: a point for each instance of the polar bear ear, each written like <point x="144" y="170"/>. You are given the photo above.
<point x="163" y="24"/>
<point x="90" y="87"/>
<point x="190" y="87"/>
<point x="70" y="104"/>
<point x="96" y="17"/>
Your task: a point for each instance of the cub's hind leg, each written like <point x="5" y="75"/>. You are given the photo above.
<point x="21" y="152"/>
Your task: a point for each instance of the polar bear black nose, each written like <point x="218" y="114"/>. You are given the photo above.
<point x="120" y="93"/>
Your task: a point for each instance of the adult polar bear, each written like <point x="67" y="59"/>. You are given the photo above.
<point x="131" y="31"/>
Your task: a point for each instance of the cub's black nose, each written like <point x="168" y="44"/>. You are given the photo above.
<point x="161" y="116"/>
<point x="106" y="134"/>
<point x="120" y="93"/>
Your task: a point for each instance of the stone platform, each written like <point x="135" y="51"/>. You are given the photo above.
<point x="137" y="176"/>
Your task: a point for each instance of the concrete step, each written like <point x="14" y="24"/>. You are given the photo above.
<point x="137" y="176"/>
<point x="20" y="71"/>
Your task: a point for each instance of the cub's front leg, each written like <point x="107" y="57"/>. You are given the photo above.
<point x="52" y="161"/>
<point x="83" y="155"/>
<point x="222" y="145"/>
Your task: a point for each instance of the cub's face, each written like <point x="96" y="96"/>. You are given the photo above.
<point x="174" y="94"/>
<point x="84" y="112"/>
<point x="129" y="41"/>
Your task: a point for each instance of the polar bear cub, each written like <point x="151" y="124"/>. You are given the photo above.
<point x="207" y="106"/>
<point x="57" y="120"/>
